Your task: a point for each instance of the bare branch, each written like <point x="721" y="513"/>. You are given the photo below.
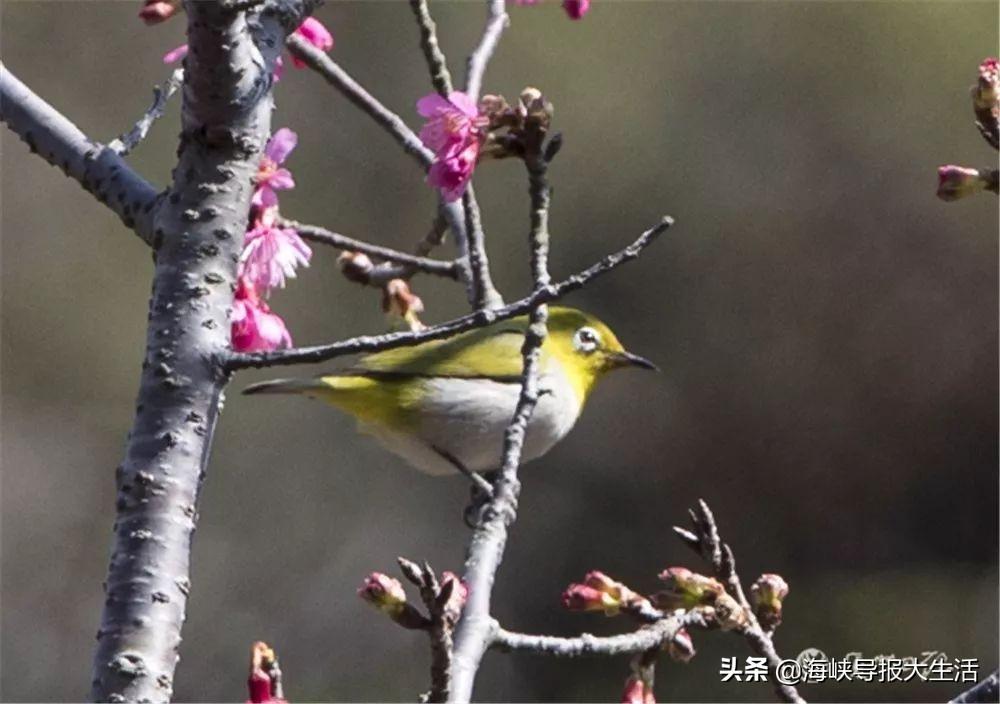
<point x="477" y="319"/>
<point x="360" y="98"/>
<point x="410" y="262"/>
<point x="477" y="628"/>
<point x="496" y="22"/>
<point x="96" y="167"/>
<point x="436" y="62"/>
<point x="655" y="635"/>
<point x="986" y="691"/>
<point x="484" y="293"/>
<point x="719" y="555"/>
<point x="131" y="139"/>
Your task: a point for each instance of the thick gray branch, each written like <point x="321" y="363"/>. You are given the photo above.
<point x="95" y="166"/>
<point x="198" y="237"/>
<point x="131" y="139"/>
<point x="410" y="262"/>
<point x="481" y="318"/>
<point x="496" y="22"/>
<point x="986" y="691"/>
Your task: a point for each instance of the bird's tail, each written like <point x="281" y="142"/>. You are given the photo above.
<point x="284" y="386"/>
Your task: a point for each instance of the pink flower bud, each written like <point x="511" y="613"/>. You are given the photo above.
<point x="986" y="92"/>
<point x="156" y="11"/>
<point x="956" y="182"/>
<point x="576" y="9"/>
<point x="580" y="597"/>
<point x="459" y="594"/>
<point x="681" y="647"/>
<point x="384" y="593"/>
<point x="316" y="33"/>
<point x="264" y="683"/>
<point x="686" y="589"/>
<point x="767" y="595"/>
<point x="637" y="692"/>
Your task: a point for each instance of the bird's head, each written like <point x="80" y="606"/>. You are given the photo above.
<point x="587" y="348"/>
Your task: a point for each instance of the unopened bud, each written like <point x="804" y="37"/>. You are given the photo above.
<point x="400" y="302"/>
<point x="681" y="647"/>
<point x="580" y="597"/>
<point x="384" y="593"/>
<point x="728" y="612"/>
<point x="956" y="182"/>
<point x="986" y="92"/>
<point x="576" y="9"/>
<point x="767" y="595"/>
<point x="637" y="692"/>
<point x="686" y="589"/>
<point x="264" y="683"/>
<point x="458" y="596"/>
<point x="356" y="266"/>
<point x="156" y="11"/>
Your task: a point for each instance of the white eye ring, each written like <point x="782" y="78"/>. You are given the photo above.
<point x="586" y="340"/>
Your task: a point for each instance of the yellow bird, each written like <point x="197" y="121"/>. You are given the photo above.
<point x="443" y="405"/>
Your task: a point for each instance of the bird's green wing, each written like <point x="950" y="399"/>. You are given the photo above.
<point x="488" y="353"/>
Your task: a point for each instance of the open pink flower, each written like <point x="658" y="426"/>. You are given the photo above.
<point x="271" y="254"/>
<point x="455" y="130"/>
<point x="314" y="32"/>
<point x="254" y="327"/>
<point x="271" y="176"/>
<point x="576" y="9"/>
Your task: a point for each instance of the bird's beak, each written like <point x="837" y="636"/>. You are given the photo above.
<point x="627" y="359"/>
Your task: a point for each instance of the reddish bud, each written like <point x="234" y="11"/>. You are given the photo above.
<point x="767" y="595"/>
<point x="956" y="182"/>
<point x="637" y="692"/>
<point x="264" y="683"/>
<point x="580" y="597"/>
<point x="459" y="594"/>
<point x="576" y="9"/>
<point x="400" y="302"/>
<point x="384" y="593"/>
<point x="986" y="92"/>
<point x="686" y="589"/>
<point x="156" y="11"/>
<point x="681" y="647"/>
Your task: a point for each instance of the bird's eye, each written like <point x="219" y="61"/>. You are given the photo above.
<point x="586" y="340"/>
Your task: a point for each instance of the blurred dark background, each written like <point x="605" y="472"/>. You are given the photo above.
<point x="827" y="327"/>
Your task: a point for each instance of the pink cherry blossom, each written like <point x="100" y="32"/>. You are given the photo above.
<point x="576" y="9"/>
<point x="314" y="32"/>
<point x="175" y="55"/>
<point x="254" y="327"/>
<point x="271" y="254"/>
<point x="270" y="176"/>
<point x="455" y="130"/>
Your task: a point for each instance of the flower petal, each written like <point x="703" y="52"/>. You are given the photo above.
<point x="281" y="145"/>
<point x="175" y="55"/>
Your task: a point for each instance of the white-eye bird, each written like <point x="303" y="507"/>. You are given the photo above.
<point x="443" y="405"/>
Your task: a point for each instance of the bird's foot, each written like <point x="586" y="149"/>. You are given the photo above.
<point x="480" y="494"/>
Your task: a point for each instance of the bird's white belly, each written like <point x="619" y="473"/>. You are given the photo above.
<point x="466" y="418"/>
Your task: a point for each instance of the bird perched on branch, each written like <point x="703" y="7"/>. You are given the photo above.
<point x="443" y="405"/>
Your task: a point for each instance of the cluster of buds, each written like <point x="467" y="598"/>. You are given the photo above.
<point x="444" y="600"/>
<point x="767" y="595"/>
<point x="689" y="590"/>
<point x="599" y="592"/>
<point x="264" y="684"/>
<point x="518" y="130"/>
<point x="955" y="182"/>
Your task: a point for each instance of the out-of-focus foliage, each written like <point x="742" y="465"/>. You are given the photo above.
<point x="826" y="325"/>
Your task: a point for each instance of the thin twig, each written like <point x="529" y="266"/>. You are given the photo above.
<point x="94" y="166"/>
<point x="361" y="98"/>
<point x="655" y="635"/>
<point x="477" y="319"/>
<point x="436" y="597"/>
<point x="706" y="541"/>
<point x="321" y="235"/>
<point x="477" y="629"/>
<point x="131" y="139"/>
<point x="496" y="22"/>
<point x="986" y="691"/>
<point x="436" y="62"/>
<point x="484" y="293"/>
